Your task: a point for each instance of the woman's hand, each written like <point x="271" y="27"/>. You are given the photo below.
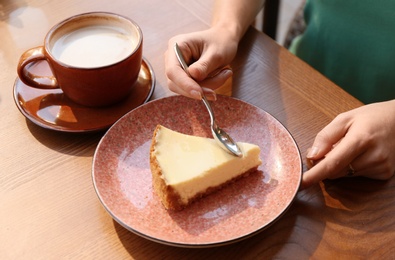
<point x="361" y="140"/>
<point x="207" y="53"/>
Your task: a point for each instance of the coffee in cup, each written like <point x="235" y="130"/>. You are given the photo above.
<point x="95" y="58"/>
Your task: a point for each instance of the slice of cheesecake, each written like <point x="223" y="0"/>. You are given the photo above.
<point x="185" y="167"/>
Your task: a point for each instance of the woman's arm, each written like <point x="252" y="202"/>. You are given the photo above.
<point x="235" y="16"/>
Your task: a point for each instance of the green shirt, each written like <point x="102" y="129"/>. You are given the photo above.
<point x="352" y="42"/>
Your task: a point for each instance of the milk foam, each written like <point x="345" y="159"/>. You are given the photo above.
<point x="94" y="46"/>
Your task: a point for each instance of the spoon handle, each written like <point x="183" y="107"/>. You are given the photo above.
<point x="181" y="59"/>
<point x="184" y="65"/>
<point x="210" y="110"/>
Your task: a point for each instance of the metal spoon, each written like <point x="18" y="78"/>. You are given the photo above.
<point x="222" y="138"/>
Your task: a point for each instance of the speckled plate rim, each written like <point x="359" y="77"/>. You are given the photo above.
<point x="230" y="240"/>
<point x="97" y="127"/>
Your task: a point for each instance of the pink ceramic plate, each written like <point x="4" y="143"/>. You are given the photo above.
<point x="51" y="109"/>
<point x="122" y="176"/>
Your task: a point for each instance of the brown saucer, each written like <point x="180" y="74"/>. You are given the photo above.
<point x="53" y="110"/>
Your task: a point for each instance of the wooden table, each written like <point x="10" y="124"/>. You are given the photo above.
<point x="48" y="206"/>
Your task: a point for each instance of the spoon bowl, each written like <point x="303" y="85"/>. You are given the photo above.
<point x="220" y="136"/>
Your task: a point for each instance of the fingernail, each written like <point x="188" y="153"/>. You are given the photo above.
<point x="227" y="72"/>
<point x="313" y="152"/>
<point x="310" y="163"/>
<point x="211" y="96"/>
<point x="196" y="94"/>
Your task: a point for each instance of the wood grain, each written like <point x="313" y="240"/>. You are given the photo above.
<point x="48" y="206"/>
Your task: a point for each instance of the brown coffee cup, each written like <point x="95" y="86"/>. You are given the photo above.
<point x="95" y="58"/>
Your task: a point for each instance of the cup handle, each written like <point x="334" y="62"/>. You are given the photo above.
<point x="29" y="57"/>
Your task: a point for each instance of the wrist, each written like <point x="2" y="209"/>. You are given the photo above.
<point x="232" y="32"/>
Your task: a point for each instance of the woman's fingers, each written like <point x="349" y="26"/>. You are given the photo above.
<point x="360" y="141"/>
<point x="329" y="136"/>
